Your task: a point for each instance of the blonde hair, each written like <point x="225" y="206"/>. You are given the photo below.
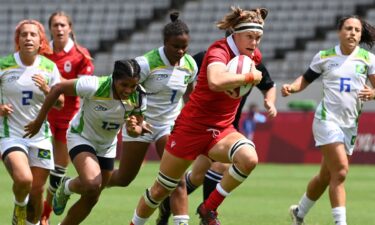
<point x="44" y="45"/>
<point x="238" y="15"/>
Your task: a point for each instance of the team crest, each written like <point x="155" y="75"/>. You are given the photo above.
<point x="361" y="69"/>
<point x="68" y="66"/>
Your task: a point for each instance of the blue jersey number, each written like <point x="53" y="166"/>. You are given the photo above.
<point x="174" y="92"/>
<point x="26" y="97"/>
<point x="345" y="84"/>
<point x="110" y="126"/>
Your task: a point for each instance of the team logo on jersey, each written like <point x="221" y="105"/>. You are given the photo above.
<point x="361" y="69"/>
<point x="10" y="76"/>
<point x="100" y="108"/>
<point x="332" y="66"/>
<point x="44" y="154"/>
<point x="67" y="66"/>
<point x="161" y="76"/>
<point x="173" y="144"/>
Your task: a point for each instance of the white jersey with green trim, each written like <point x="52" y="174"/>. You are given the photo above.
<point x="18" y="89"/>
<point x="101" y="116"/>
<point x="165" y="85"/>
<point x="343" y="77"/>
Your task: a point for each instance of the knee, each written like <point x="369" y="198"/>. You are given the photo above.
<point x="340" y="175"/>
<point x="23" y="181"/>
<point x="158" y="192"/>
<point x="122" y="179"/>
<point x="92" y="188"/>
<point x="247" y="163"/>
<point x="181" y="187"/>
<point x="196" y="178"/>
<point x="123" y="182"/>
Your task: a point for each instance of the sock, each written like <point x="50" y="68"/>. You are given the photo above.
<point x="215" y="198"/>
<point x="55" y="177"/>
<point x="211" y="179"/>
<point x="181" y="220"/>
<point x="304" y="206"/>
<point x="24" y="203"/>
<point x="28" y="223"/>
<point x="190" y="187"/>
<point x="47" y="209"/>
<point x="66" y="187"/>
<point x="339" y="215"/>
<point x="138" y="220"/>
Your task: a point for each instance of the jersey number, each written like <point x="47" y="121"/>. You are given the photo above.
<point x="110" y="126"/>
<point x="174" y="92"/>
<point x="344" y="84"/>
<point x="26" y="97"/>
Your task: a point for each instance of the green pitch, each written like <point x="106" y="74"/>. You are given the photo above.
<point x="263" y="199"/>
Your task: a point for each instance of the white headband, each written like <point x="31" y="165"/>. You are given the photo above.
<point x="243" y="27"/>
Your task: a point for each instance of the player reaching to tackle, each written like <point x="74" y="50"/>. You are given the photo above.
<point x="73" y="61"/>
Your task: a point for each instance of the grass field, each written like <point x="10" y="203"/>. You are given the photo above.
<point x="263" y="199"/>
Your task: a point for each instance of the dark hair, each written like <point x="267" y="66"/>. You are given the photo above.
<point x="368" y="31"/>
<point x="128" y="68"/>
<point x="176" y="27"/>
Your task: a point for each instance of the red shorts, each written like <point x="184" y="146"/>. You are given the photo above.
<point x="58" y="131"/>
<point x="188" y="142"/>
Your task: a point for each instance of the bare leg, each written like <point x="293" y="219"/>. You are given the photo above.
<point x="132" y="156"/>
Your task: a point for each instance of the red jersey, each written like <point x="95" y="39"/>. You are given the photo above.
<point x="206" y="107"/>
<point x="71" y="64"/>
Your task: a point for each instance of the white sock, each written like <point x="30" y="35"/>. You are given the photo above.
<point x="66" y="187"/>
<point x="304" y="206"/>
<point x="138" y="220"/>
<point x="181" y="220"/>
<point x="22" y="203"/>
<point x="221" y="190"/>
<point x="339" y="215"/>
<point x="28" y="223"/>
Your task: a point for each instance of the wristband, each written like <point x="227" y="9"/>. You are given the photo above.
<point x="249" y="78"/>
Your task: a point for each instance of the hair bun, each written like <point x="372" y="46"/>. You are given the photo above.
<point x="174" y="16"/>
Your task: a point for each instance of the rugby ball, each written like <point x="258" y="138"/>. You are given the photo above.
<point x="239" y="65"/>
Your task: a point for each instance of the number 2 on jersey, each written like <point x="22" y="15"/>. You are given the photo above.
<point x="26" y="97"/>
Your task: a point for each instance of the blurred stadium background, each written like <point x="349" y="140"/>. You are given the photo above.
<point x="295" y="30"/>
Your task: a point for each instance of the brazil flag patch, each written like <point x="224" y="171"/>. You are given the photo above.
<point x="44" y="154"/>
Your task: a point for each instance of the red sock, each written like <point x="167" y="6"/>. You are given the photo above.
<point x="131" y="223"/>
<point x="47" y="209"/>
<point x="214" y="200"/>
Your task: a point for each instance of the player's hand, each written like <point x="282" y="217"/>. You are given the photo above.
<point x="286" y="90"/>
<point x="6" y="109"/>
<point x="256" y="74"/>
<point x="132" y="127"/>
<point x="32" y="128"/>
<point x="146" y="128"/>
<point x="271" y="108"/>
<point x="366" y="94"/>
<point x="41" y="83"/>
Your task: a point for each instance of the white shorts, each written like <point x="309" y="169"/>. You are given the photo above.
<point x="39" y="152"/>
<point x="158" y="131"/>
<point x="105" y="150"/>
<point x="326" y="132"/>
